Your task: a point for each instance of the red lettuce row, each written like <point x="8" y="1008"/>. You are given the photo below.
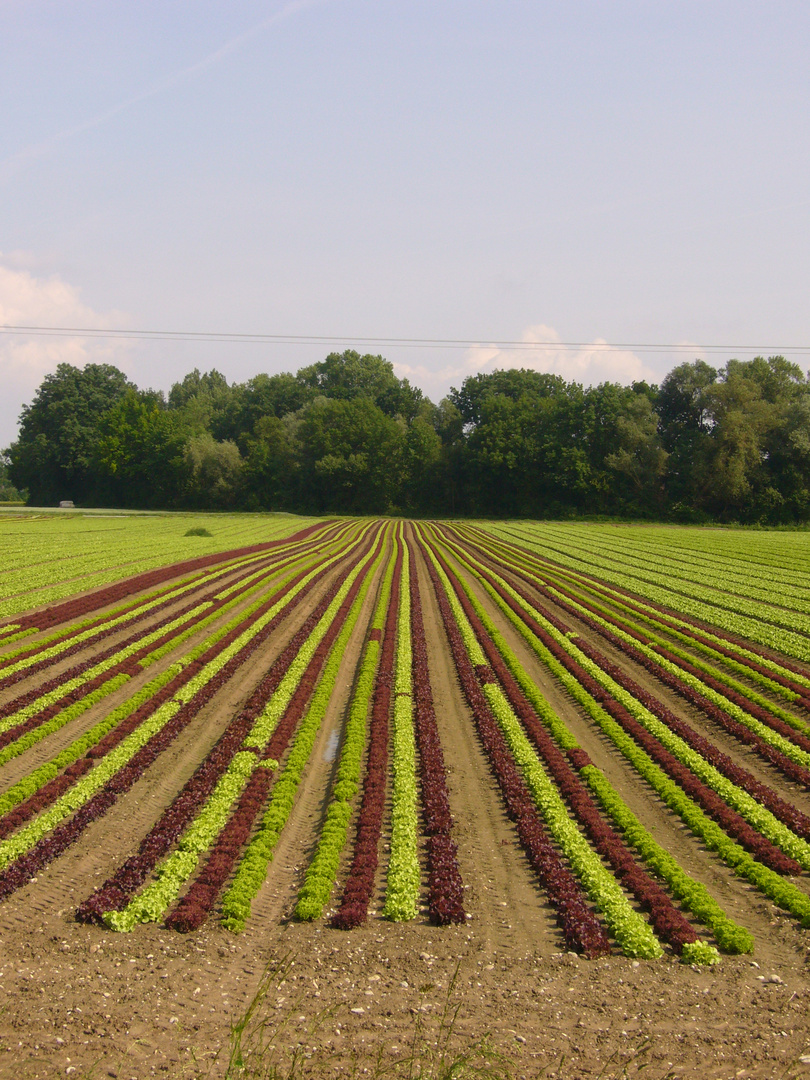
<point x="772" y="754"/>
<point x="353" y="908"/>
<point x="199" y="900"/>
<point x="445" y="886"/>
<point x="105" y="631"/>
<point x="737" y="655"/>
<point x="780" y="808"/>
<point x="757" y="711"/>
<point x="56" y="787"/>
<point x="47" y="849"/>
<point x="581" y="928"/>
<point x="610" y="591"/>
<point x="668" y="922"/>
<point x="116" y="892"/>
<point x="130" y="665"/>
<point x="714" y="806"/>
<point x="69" y="610"/>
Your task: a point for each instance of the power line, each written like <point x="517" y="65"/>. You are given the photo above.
<point x="400" y="342"/>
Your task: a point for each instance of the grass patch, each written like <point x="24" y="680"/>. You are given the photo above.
<point x="266" y="1046"/>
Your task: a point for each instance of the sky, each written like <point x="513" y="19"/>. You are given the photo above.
<point x="615" y="185"/>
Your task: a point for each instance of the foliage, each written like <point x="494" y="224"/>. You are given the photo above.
<point x="346" y="435"/>
<point x="54" y="455"/>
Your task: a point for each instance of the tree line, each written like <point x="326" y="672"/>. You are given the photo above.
<point x="347" y="436"/>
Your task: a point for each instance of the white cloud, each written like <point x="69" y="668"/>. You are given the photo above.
<point x="540" y="349"/>
<point x="25" y="359"/>
<point x="589" y="364"/>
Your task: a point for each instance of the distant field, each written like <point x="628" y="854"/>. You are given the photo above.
<point x="550" y="738"/>
<point x="47" y="556"/>
<point x="753" y="583"/>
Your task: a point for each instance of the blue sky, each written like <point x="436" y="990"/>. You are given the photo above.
<point x="621" y="172"/>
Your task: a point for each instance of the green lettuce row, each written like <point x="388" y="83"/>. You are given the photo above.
<point x="640" y="620"/>
<point x="689" y="573"/>
<point x="150" y="904"/>
<point x="55" y="695"/>
<point x="642" y="624"/>
<point x="30" y="784"/>
<point x="632" y="932"/>
<point x="75" y="710"/>
<point x="104" y="564"/>
<point x="193" y="625"/>
<point x="322" y="871"/>
<point x="402" y="890"/>
<point x="89" y="784"/>
<point x="252" y="870"/>
<point x="29" y="738"/>
<point x="740" y="801"/>
<point x="117" y="617"/>
<point x="694" y="896"/>
<point x="743" y="803"/>
<point x="783" y="893"/>
<point x="130" y="609"/>
<point x="647" y="614"/>
<point x="730" y="936"/>
<point x="789" y="642"/>
<point x="715" y="584"/>
<point x="766" y="733"/>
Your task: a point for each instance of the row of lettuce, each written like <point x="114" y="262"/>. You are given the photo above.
<point x="750" y="584"/>
<point x="213" y="843"/>
<point x="45" y="558"/>
<point x="607" y="879"/>
<point x="762" y="837"/>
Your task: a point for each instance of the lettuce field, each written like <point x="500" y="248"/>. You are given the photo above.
<point x="594" y="739"/>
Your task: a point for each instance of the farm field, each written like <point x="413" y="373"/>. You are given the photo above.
<point x="557" y="776"/>
<point x="47" y="556"/>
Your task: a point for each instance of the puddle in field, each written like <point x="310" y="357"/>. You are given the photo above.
<point x="330" y="753"/>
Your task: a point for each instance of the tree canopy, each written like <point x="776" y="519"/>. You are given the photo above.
<point x="346" y="435"/>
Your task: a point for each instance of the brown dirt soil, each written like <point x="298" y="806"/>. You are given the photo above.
<point x="387" y="999"/>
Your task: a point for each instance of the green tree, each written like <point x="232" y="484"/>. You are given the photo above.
<point x="686" y="418"/>
<point x="351" y="457"/>
<point x="53" y="456"/>
<point x="8" y="493"/>
<point x="272" y="465"/>
<point x="260" y="397"/>
<point x="422" y="488"/>
<point x="524" y="453"/>
<point x="215" y="472"/>
<point x="348" y="375"/>
<point x="637" y="459"/>
<point x="757" y="468"/>
<point x="203" y="402"/>
<point x="138" y="455"/>
<point x="514" y="384"/>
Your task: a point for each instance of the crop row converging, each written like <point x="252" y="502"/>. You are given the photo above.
<point x="303" y="671"/>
